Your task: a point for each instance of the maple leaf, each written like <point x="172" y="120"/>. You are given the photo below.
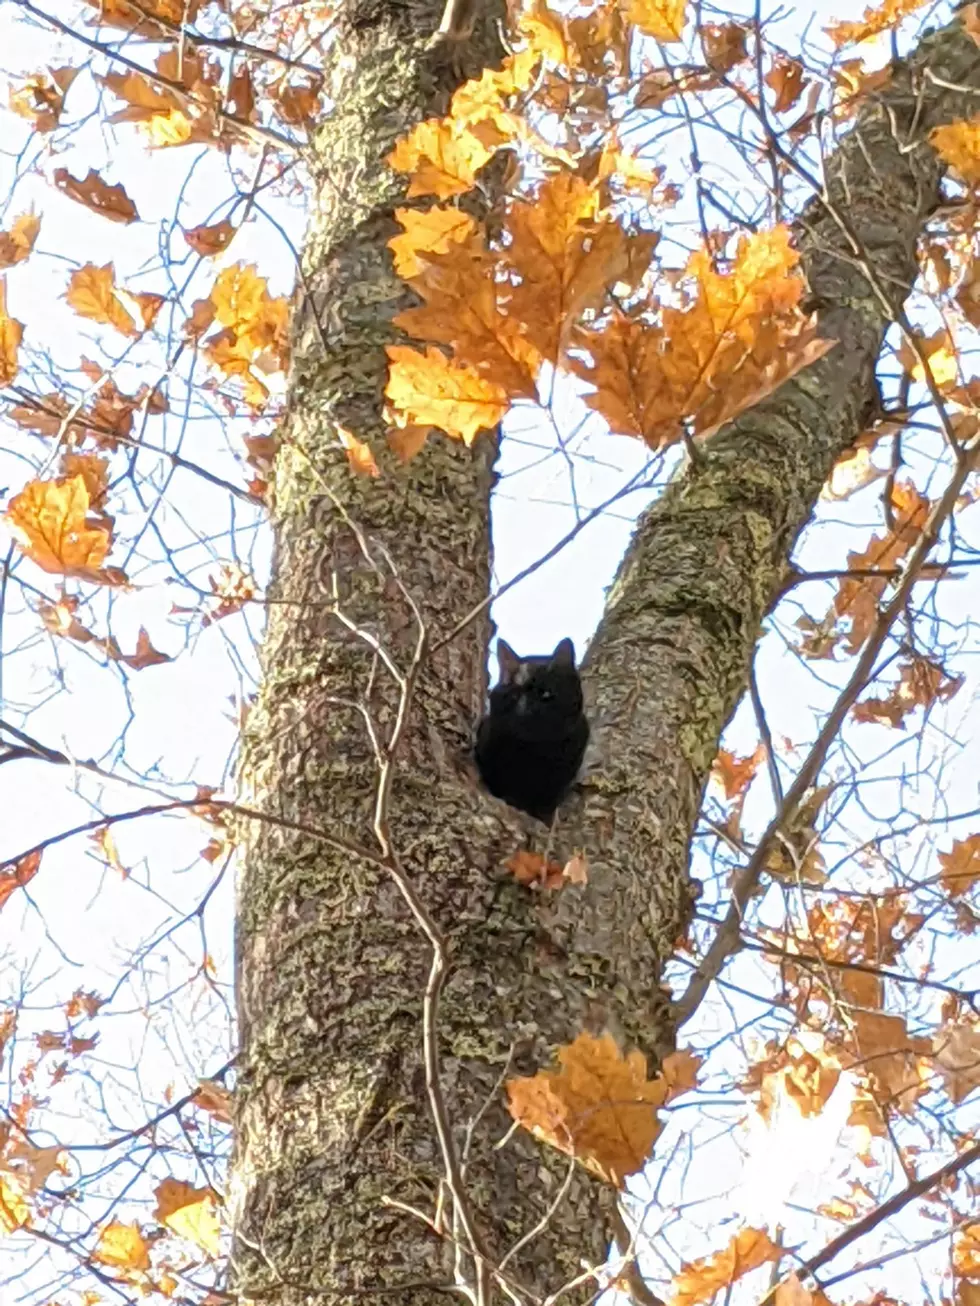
<point x="662" y="19"/>
<point x="50" y="521"/>
<point x="17" y="243"/>
<point x="110" y="201"/>
<point x="11" y="334"/>
<point x="600" y="1107"/>
<point x="429" y="389"/>
<point x="210" y="240"/>
<point x="190" y="1213"/>
<point x="958" y="144"/>
<point x="699" y="1280"/>
<point x="961" y="866"/>
<point x="92" y="293"/>
<point x="123" y="1247"/>
<point x="83" y="1002"/>
<point x="41" y="98"/>
<point x="442" y="158"/>
<point x="875" y="20"/>
<point x="735" y="774"/>
<point x="14" y="875"/>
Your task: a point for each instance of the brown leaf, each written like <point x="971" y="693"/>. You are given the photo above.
<point x="215" y="1099"/>
<point x="785" y="77"/>
<point x="211" y="240"/>
<point x="532" y="870"/>
<point x="735" y="774"/>
<point x="956" y="1048"/>
<point x="961" y="866"/>
<point x="599" y="1107"/>
<point x="110" y="201"/>
<point x="724" y="46"/>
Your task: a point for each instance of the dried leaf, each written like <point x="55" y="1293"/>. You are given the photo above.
<point x="123" y="1247"/>
<point x="785" y="77"/>
<point x="735" y="774"/>
<point x="360" y="459"/>
<point x="110" y="201"/>
<point x="961" y="866"/>
<point x="41" y="98"/>
<point x="662" y="19"/>
<point x="215" y="1099"/>
<point x="599" y="1107"/>
<point x="956" y="1048"/>
<point x="210" y="240"/>
<point x="876" y="19"/>
<point x="724" y="46"/>
<point x="14" y="875"/>
<point x="92" y="293"/>
<point x="11" y="334"/>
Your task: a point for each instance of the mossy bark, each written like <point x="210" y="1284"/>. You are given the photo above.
<point x="335" y="1140"/>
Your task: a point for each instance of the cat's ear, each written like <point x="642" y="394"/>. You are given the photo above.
<point x="508" y="660"/>
<point x="564" y="655"/>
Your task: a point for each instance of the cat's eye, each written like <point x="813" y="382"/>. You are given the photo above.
<point x="546" y="695"/>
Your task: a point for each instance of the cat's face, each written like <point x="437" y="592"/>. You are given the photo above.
<point x="541" y="696"/>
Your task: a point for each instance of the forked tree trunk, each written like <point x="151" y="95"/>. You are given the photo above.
<point x="336" y="1143"/>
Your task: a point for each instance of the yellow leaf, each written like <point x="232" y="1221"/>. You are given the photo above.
<point x="600" y="1107"/>
<point x="429" y="389"/>
<point x="699" y="1280"/>
<point x="41" y="98"/>
<point x="443" y="160"/>
<point x="48" y="521"/>
<point x="14" y="1210"/>
<point x="92" y="293"/>
<point x="663" y="19"/>
<point x="123" y="1247"/>
<point x="958" y="144"/>
<point x="427" y="231"/>
<point x="17" y="243"/>
<point x="190" y="1213"/>
<point x="110" y="201"/>
<point x="11" y="334"/>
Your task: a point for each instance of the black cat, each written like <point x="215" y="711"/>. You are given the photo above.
<point x="530" y="744"/>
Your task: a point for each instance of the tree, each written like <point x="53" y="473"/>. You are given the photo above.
<point x="411" y="955"/>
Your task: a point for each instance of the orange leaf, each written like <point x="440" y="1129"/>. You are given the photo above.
<point x="215" y="1099"/>
<point x="785" y="77"/>
<point x="137" y="20"/>
<point x="875" y="20"/>
<point x="735" y="774"/>
<point x="699" y="1280"/>
<point x="406" y="441"/>
<point x="41" y="98"/>
<point x="48" y="519"/>
<point x="956" y="1048"/>
<point x="110" y="201"/>
<point x="428" y="388"/>
<point x="122" y="1246"/>
<point x="190" y="1213"/>
<point x="533" y="871"/>
<point x="17" y="243"/>
<point x="359" y="455"/>
<point x="92" y="294"/>
<point x="443" y="159"/>
<point x="11" y="334"/>
<point x="600" y="1107"/>
<point x="14" y="875"/>
<point x="427" y="231"/>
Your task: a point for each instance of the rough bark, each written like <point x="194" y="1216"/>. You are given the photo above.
<point x="333" y="1112"/>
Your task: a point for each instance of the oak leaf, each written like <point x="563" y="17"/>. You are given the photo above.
<point x="425" y="232"/>
<point x="110" y="201"/>
<point x="922" y="683"/>
<point x="123" y="1247"/>
<point x="41" y="98"/>
<point x="443" y="159"/>
<point x="893" y="1059"/>
<point x="876" y="19"/>
<point x="735" y="774"/>
<point x="50" y="521"/>
<point x="190" y="1213"/>
<point x="699" y="1280"/>
<point x="92" y="293"/>
<point x="599" y="1107"/>
<point x="17" y="243"/>
<point x="961" y="866"/>
<point x="429" y="389"/>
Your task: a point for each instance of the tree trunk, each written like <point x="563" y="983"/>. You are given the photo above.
<point x="352" y="1134"/>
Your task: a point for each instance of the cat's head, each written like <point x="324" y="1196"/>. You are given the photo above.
<point x="544" y="692"/>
